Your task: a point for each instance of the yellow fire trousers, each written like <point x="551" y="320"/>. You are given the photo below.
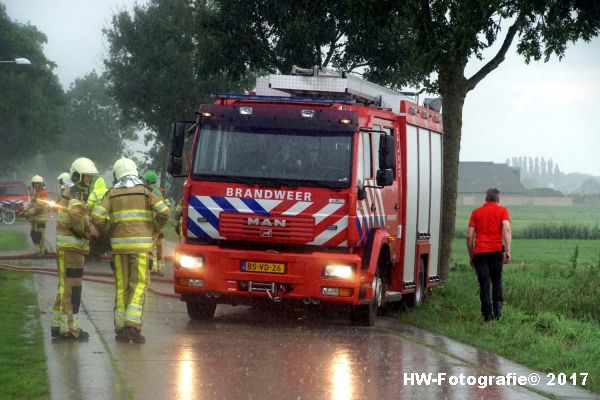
<point x="38" y="237"/>
<point x="157" y="254"/>
<point x="68" y="299"/>
<point x="131" y="278"/>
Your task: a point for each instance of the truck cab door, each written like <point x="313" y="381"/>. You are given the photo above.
<point x="389" y="207"/>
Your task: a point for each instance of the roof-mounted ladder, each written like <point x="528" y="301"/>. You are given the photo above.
<point x="322" y="82"/>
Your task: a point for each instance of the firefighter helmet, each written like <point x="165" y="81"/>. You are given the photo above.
<point x="124" y="167"/>
<point x="37" y="179"/>
<point x="150" y="176"/>
<point x="83" y="166"/>
<point x="63" y="178"/>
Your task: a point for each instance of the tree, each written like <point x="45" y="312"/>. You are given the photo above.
<point x="31" y="99"/>
<point x="93" y="126"/>
<point x="419" y="42"/>
<point x="273" y="35"/>
<point x="156" y="66"/>
<point x="440" y="37"/>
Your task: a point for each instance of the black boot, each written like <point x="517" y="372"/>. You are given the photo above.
<point x="121" y="336"/>
<point x="129" y="333"/>
<point x="497" y="310"/>
<point x="79" y="335"/>
<point x="135" y="335"/>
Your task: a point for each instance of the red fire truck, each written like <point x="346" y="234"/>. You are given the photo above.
<point x="319" y="189"/>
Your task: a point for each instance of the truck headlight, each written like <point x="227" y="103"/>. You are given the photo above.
<point x="190" y="262"/>
<point x="338" y="271"/>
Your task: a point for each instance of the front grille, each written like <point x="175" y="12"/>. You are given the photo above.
<point x="238" y="226"/>
<point x="276" y="247"/>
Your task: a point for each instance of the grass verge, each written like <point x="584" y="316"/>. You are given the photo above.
<point x="13" y="241"/>
<point x="551" y="320"/>
<point x="22" y="357"/>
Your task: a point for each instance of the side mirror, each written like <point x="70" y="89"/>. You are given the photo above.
<point x="385" y="177"/>
<point x="361" y="192"/>
<point x="176" y="148"/>
<point x="387" y="152"/>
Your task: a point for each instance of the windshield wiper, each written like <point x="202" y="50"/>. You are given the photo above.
<point x="268" y="182"/>
<point x="324" y="184"/>
<point x="246" y="181"/>
<point x="226" y="178"/>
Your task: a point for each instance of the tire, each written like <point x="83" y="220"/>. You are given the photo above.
<point x="8" y="217"/>
<point x="199" y="311"/>
<point x="365" y="315"/>
<point x="415" y="299"/>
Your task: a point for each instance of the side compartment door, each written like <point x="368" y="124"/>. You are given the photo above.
<point x="423" y="198"/>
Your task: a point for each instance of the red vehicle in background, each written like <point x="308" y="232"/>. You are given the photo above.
<point x="321" y="189"/>
<point x="14" y="197"/>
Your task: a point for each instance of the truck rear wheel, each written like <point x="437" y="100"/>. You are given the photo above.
<point x="365" y="315"/>
<point x="200" y="311"/>
<point x="415" y="299"/>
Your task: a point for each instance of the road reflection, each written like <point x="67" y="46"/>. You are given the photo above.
<point x="186" y="376"/>
<point x="341" y="377"/>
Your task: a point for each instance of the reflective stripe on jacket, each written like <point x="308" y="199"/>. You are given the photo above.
<point x="72" y="222"/>
<point x="134" y="216"/>
<point x="37" y="212"/>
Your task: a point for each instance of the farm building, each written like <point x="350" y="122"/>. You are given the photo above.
<point x="475" y="177"/>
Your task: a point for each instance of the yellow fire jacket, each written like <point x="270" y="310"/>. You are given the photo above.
<point x="134" y="215"/>
<point x="37" y="212"/>
<point x="97" y="194"/>
<point x="73" y="221"/>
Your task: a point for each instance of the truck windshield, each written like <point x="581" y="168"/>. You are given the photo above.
<point x="274" y="158"/>
<point x="13" y="190"/>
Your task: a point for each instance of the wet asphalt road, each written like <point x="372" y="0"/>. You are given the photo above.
<point x="253" y="353"/>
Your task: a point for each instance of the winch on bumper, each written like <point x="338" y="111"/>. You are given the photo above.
<point x="229" y="276"/>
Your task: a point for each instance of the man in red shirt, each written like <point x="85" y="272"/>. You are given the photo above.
<point x="488" y="241"/>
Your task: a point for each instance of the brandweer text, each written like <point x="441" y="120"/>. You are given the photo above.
<point x="268" y="194"/>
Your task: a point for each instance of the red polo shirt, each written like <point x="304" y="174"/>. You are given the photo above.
<point x="487" y="221"/>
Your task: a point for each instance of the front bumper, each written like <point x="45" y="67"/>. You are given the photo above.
<point x="222" y="280"/>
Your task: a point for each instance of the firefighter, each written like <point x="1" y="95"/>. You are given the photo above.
<point x="99" y="245"/>
<point x="150" y="177"/>
<point x="64" y="181"/>
<point x="136" y="214"/>
<point x="37" y="215"/>
<point x="179" y="217"/>
<point x="73" y="232"/>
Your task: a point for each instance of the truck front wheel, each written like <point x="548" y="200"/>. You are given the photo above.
<point x="365" y="315"/>
<point x="200" y="311"/>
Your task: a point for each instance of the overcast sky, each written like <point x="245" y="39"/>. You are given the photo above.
<point x="542" y="109"/>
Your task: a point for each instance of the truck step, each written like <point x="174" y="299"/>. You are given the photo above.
<point x="391" y="296"/>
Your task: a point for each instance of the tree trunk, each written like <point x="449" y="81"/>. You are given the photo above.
<point x="453" y="88"/>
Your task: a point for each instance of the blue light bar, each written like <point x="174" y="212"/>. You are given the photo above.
<point x="292" y="99"/>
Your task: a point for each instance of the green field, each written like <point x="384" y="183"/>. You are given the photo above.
<point x="526" y="217"/>
<point x="551" y="318"/>
<point x="22" y="357"/>
<point x="13" y="241"/>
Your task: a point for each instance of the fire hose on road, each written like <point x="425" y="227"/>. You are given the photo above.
<point x="34" y="256"/>
<point x="91" y="277"/>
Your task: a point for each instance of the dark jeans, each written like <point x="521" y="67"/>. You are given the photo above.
<point x="489" y="268"/>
